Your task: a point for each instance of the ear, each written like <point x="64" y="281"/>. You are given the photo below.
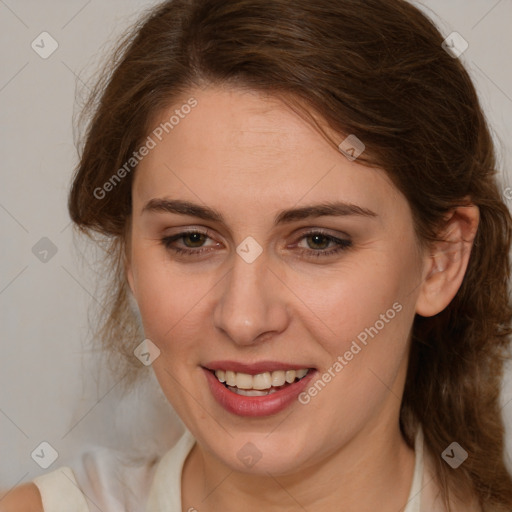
<point x="447" y="260"/>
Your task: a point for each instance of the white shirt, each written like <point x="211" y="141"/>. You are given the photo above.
<point x="107" y="480"/>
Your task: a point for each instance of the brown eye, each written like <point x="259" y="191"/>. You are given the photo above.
<point x="318" y="243"/>
<point x="318" y="240"/>
<point x="197" y="239"/>
<point x="190" y="240"/>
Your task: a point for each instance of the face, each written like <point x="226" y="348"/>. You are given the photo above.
<point x="256" y="249"/>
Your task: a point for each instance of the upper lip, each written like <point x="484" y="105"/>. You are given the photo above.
<point x="254" y="368"/>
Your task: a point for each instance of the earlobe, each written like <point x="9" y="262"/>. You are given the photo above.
<point x="446" y="263"/>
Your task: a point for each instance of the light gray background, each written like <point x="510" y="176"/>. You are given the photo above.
<point x="50" y="387"/>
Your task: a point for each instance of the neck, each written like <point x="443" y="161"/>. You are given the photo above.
<point x="373" y="472"/>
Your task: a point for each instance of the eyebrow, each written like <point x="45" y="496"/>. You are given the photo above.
<point x="334" y="209"/>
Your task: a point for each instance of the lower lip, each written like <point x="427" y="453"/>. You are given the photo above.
<point x="256" y="405"/>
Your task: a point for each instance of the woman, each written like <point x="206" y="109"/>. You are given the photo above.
<point x="301" y="198"/>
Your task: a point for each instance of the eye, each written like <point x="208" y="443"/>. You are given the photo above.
<point x="193" y="240"/>
<point x="318" y="243"/>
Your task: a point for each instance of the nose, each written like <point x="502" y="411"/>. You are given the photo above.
<point x="252" y="307"/>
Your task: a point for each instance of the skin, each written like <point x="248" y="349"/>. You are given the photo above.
<point x="248" y="156"/>
<point x="24" y="498"/>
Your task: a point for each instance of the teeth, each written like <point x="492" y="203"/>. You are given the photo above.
<point x="278" y="378"/>
<point x="301" y="373"/>
<point x="243" y="381"/>
<point x="230" y="378"/>
<point x="252" y="392"/>
<point x="290" y="376"/>
<point x="260" y="382"/>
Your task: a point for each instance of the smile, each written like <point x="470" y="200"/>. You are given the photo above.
<point x="260" y="384"/>
<point x="256" y="390"/>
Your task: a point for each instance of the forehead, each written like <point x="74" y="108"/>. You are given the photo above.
<point x="242" y="147"/>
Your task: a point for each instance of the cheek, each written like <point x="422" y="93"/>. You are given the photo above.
<point x="364" y="362"/>
<point x="336" y="306"/>
<point x="363" y="321"/>
<point x="361" y="297"/>
<point x="164" y="296"/>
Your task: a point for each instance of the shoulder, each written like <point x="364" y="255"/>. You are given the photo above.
<point x="106" y="478"/>
<point x="100" y="477"/>
<point x="24" y="498"/>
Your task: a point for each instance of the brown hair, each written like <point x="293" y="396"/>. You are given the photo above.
<point x="376" y="69"/>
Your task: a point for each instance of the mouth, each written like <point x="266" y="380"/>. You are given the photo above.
<point x="260" y="390"/>
<point x="261" y="384"/>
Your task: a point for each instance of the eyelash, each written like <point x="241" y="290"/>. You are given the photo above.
<point x="342" y="245"/>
